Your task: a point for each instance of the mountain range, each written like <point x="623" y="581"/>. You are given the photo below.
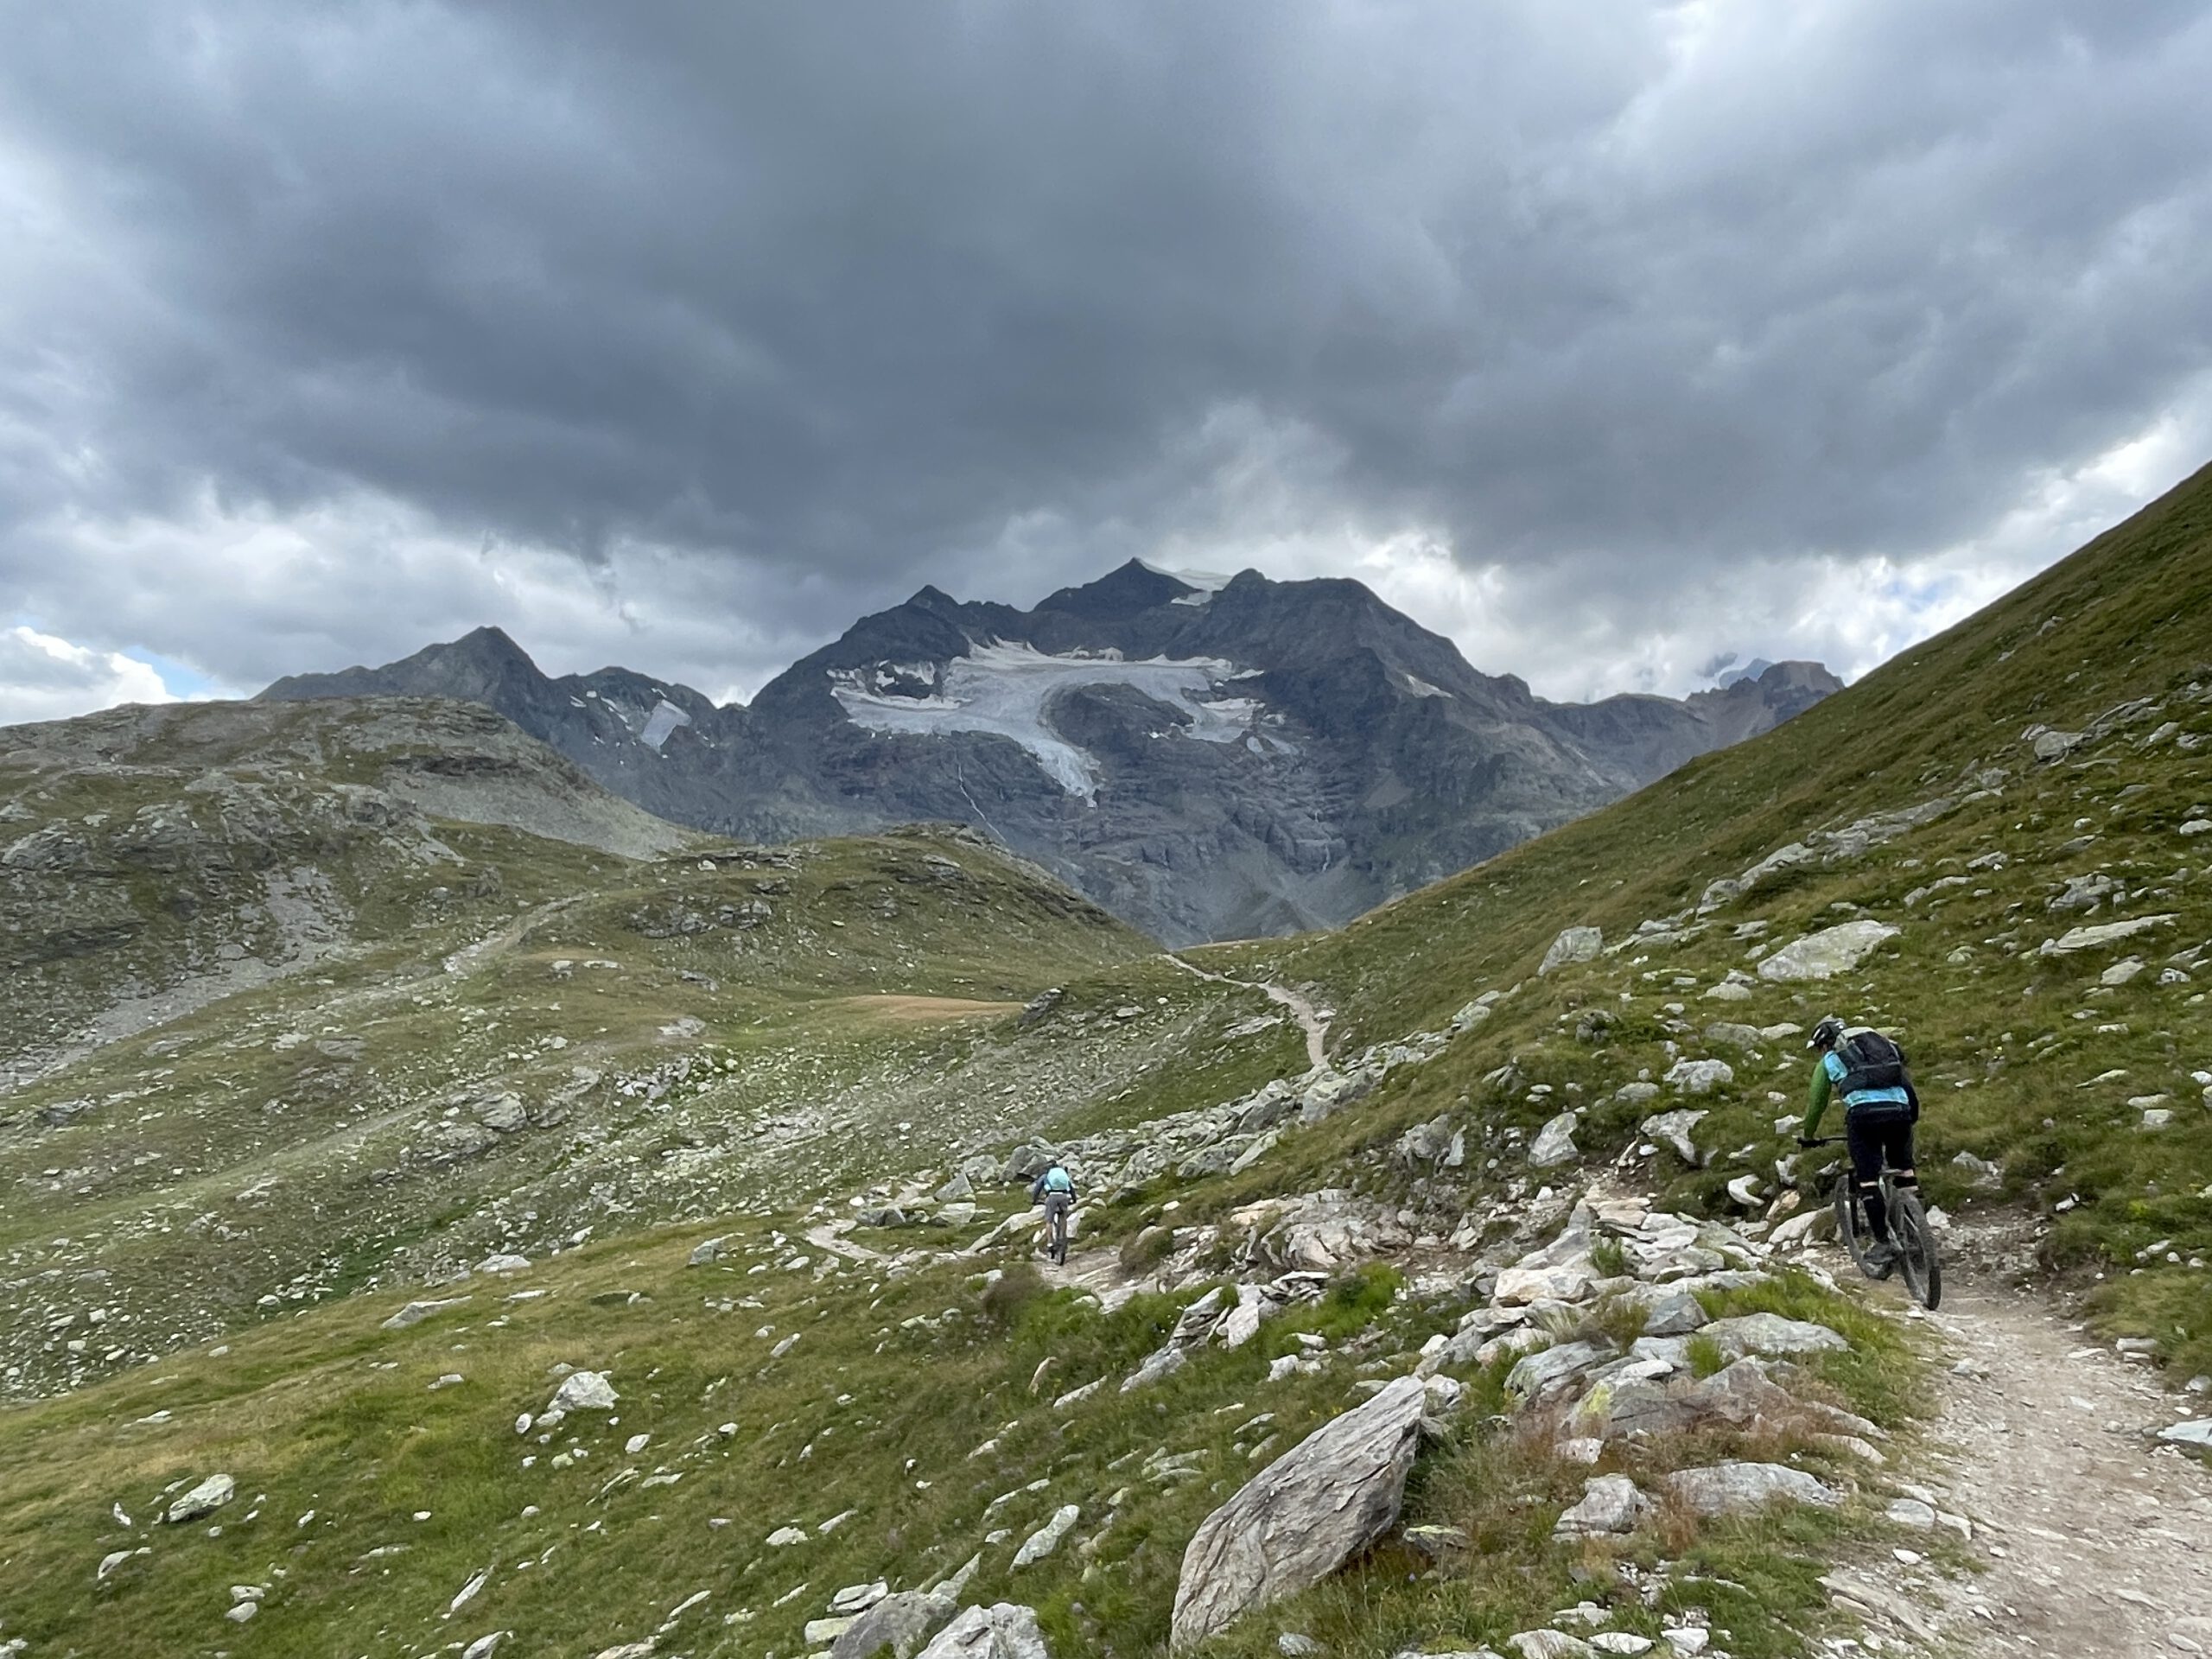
<point x="1206" y="761"/>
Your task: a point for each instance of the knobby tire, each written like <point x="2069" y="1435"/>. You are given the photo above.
<point x="1924" y="1274"/>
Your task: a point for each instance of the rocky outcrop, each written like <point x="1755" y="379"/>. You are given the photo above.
<point x="1309" y="1512"/>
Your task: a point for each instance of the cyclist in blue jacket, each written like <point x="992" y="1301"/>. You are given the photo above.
<point x="1879" y="1108"/>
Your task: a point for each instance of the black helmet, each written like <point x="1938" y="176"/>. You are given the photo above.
<point x="1826" y="1034"/>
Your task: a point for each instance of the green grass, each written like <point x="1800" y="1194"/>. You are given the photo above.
<point x="793" y="1089"/>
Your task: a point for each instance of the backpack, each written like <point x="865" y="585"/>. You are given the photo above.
<point x="1871" y="1061"/>
<point x="1064" y="1184"/>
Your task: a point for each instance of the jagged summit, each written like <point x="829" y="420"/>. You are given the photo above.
<point x="1208" y="760"/>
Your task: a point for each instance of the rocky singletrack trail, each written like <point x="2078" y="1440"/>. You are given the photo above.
<point x="2096" y="1542"/>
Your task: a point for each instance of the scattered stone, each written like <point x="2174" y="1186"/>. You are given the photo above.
<point x="1770" y="1333"/>
<point x="415" y="1312"/>
<point x="583" y="1391"/>
<point x="1554" y="1142"/>
<point x="1673" y="1129"/>
<point x="1046" y="1539"/>
<point x="206" y="1498"/>
<point x="1573" y="945"/>
<point x="1611" y="1504"/>
<point x="705" y="1253"/>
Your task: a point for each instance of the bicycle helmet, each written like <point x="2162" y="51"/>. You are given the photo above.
<point x="1826" y="1034"/>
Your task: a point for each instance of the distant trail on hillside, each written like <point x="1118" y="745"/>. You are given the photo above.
<point x="1317" y="1028"/>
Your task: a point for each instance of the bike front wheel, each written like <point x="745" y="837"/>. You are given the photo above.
<point x="1924" y="1274"/>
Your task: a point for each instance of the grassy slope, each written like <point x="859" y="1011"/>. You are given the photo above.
<point x="302" y="1409"/>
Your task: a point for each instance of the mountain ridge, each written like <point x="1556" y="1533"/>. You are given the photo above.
<point x="1207" y="762"/>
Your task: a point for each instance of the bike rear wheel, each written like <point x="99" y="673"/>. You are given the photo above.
<point x="1851" y="1226"/>
<point x="1059" y="1238"/>
<point x="1924" y="1274"/>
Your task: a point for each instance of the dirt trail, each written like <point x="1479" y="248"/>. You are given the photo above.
<point x="2098" y="1543"/>
<point x="1316" y="1029"/>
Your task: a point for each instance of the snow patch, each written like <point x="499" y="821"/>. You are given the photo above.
<point x="1003" y="689"/>
<point x="1421" y="687"/>
<point x="663" y="720"/>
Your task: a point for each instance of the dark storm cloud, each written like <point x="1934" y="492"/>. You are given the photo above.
<point x="845" y="298"/>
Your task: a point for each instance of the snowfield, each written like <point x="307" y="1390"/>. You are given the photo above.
<point x="1004" y="689"/>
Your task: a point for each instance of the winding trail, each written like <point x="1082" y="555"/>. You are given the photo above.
<point x="1316" y="1029"/>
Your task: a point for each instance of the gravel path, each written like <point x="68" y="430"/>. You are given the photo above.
<point x="2098" y="1543"/>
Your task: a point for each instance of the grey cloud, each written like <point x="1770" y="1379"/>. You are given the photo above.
<point x="847" y="298"/>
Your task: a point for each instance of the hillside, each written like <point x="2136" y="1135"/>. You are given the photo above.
<point x="1527" y="1235"/>
<point x="1228" y="760"/>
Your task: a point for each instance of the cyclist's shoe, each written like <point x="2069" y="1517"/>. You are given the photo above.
<point x="1880" y="1258"/>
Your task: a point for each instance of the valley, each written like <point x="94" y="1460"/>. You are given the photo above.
<point x="570" y="1233"/>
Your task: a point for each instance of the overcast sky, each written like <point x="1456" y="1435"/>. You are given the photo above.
<point x="1609" y="339"/>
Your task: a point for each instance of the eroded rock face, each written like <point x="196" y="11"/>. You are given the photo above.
<point x="1303" y="1516"/>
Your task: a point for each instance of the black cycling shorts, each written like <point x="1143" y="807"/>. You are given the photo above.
<point x="1878" y="1135"/>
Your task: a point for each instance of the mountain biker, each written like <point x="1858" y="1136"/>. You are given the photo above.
<point x="1880" y="1106"/>
<point x="1055" y="1190"/>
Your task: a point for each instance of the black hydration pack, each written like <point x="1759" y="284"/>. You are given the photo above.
<point x="1871" y="1061"/>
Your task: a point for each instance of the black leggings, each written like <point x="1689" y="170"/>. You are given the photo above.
<point x="1876" y="1138"/>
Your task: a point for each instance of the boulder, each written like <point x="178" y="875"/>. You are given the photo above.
<point x="1002" y="1632"/>
<point x="1610" y="1504"/>
<point x="895" y="1628"/>
<point x="1574" y="945"/>
<point x="206" y="1498"/>
<point x="1303" y="1516"/>
<point x="1242" y="1323"/>
<point x="1699" y="1076"/>
<point x="1552" y="1371"/>
<point x="1673" y="1129"/>
<point x="2088" y="939"/>
<point x="1425" y="1143"/>
<point x="1770" y="1333"/>
<point x="1734" y="1488"/>
<point x="705" y="1253"/>
<point x="1273" y="1103"/>
<point x="1566" y="1282"/>
<point x="415" y="1312"/>
<point x="1026" y="1162"/>
<point x="1329" y="1091"/>
<point x="1823" y="954"/>
<point x="583" y="1391"/>
<point x="1046" y="1539"/>
<point x="1554" y="1142"/>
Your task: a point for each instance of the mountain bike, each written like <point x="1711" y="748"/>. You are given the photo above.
<point x="1910" y="1233"/>
<point x="1056" y="1231"/>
